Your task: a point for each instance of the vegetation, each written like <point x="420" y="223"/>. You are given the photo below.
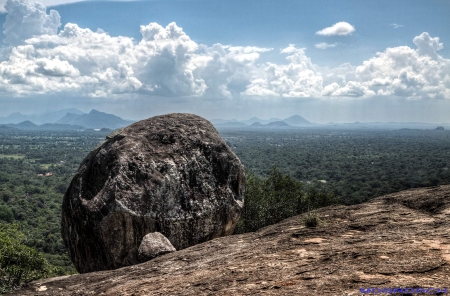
<point x="277" y="197"/>
<point x="33" y="200"/>
<point x="311" y="219"/>
<point x="313" y="168"/>
<point x="355" y="164"/>
<point x="18" y="262"/>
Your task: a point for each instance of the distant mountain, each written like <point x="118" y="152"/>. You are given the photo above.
<point x="46" y="117"/>
<point x="220" y="121"/>
<point x="256" y="124"/>
<point x="251" y="120"/>
<point x="262" y="121"/>
<point x="54" y="116"/>
<point x="296" y="120"/>
<point x="95" y="119"/>
<point x="271" y="125"/>
<point x="277" y="124"/>
<point x="230" y="124"/>
<point x="28" y="125"/>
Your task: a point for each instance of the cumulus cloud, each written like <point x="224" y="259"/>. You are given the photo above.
<point x="401" y="71"/>
<point x="427" y="45"/>
<point x="165" y="62"/>
<point x="324" y="45"/>
<point x="43" y="2"/>
<point x="338" y="29"/>
<point x="25" y="20"/>
<point x="298" y="78"/>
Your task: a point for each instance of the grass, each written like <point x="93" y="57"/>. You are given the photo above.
<point x="46" y="165"/>
<point x="14" y="156"/>
<point x="311" y="219"/>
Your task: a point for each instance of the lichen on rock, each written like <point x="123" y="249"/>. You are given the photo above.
<point x="171" y="174"/>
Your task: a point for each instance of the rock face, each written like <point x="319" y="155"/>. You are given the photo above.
<point x="153" y="245"/>
<point x="171" y="174"/>
<point x="401" y="240"/>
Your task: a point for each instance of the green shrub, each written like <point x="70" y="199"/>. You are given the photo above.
<point x="311" y="219"/>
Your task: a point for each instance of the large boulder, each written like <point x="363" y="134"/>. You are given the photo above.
<point x="171" y="174"/>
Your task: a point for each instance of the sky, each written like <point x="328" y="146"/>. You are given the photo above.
<point x="328" y="61"/>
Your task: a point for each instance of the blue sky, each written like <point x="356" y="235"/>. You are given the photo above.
<point x="325" y="60"/>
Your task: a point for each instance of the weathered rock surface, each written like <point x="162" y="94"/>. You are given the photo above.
<point x="153" y="245"/>
<point x="400" y="240"/>
<point x="171" y="174"/>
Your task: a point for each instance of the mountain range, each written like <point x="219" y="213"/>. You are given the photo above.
<point x="256" y="122"/>
<point x="94" y="119"/>
<point x="41" y="118"/>
<point x="74" y="119"/>
<point x="66" y="119"/>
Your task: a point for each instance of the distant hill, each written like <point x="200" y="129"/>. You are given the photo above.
<point x="41" y="118"/>
<point x="28" y="125"/>
<point x="296" y="120"/>
<point x="256" y="124"/>
<point x="277" y="124"/>
<point x="262" y="121"/>
<point x="220" y="121"/>
<point x="95" y="119"/>
<point x="230" y="124"/>
<point x="271" y="125"/>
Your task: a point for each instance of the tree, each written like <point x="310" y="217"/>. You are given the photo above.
<point x="18" y="262"/>
<point x="6" y="214"/>
<point x="277" y="197"/>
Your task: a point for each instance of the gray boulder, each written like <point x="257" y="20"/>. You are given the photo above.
<point x="171" y="174"/>
<point x="153" y="245"/>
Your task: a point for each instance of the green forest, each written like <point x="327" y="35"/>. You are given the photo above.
<point x="288" y="172"/>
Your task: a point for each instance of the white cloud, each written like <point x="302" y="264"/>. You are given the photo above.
<point x="396" y="26"/>
<point x="167" y="63"/>
<point x="25" y="20"/>
<point x="298" y="78"/>
<point x="427" y="45"/>
<point x="401" y="71"/>
<point x="48" y="3"/>
<point x="338" y="29"/>
<point x="324" y="45"/>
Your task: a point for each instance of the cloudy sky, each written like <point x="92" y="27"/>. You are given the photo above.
<point x="338" y="61"/>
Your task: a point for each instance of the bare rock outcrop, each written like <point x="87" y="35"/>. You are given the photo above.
<point x="398" y="241"/>
<point x="171" y="174"/>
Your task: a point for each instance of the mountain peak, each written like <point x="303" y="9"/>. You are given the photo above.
<point x="296" y="120"/>
<point x="95" y="119"/>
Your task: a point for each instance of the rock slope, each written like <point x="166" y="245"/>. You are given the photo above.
<point x="399" y="240"/>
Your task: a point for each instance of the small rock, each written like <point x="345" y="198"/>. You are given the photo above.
<point x="41" y="289"/>
<point x="153" y="245"/>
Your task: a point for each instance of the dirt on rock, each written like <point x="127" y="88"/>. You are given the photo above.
<point x="400" y="240"/>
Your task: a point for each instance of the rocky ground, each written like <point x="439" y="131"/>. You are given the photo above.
<point x="401" y="240"/>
